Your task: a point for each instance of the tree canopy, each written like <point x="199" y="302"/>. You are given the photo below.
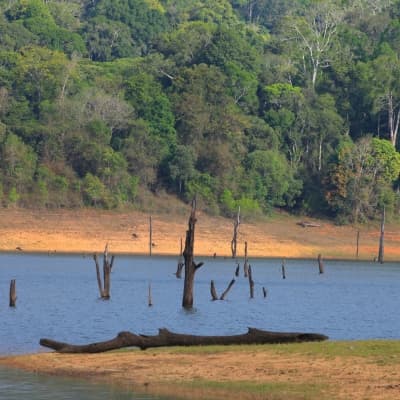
<point x="260" y="104"/>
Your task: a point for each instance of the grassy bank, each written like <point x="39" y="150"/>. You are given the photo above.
<point x="327" y="370"/>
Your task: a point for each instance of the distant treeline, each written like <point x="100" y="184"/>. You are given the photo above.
<point x="252" y="103"/>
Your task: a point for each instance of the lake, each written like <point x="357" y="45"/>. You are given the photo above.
<point x="58" y="299"/>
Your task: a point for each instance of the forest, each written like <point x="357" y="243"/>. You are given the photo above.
<point x="257" y="104"/>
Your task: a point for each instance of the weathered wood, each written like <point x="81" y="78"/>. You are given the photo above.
<point x="320" y="264"/>
<point x="167" y="338"/>
<point x="251" y="283"/>
<point x="235" y="233"/>
<point x="213" y="291"/>
<point x="246" y="262"/>
<point x="190" y="266"/>
<point x="227" y="289"/>
<point x="13" y="293"/>
<point x="381" y="238"/>
<point x="283" y="269"/>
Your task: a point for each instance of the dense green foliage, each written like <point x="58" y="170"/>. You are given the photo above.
<point x="252" y="103"/>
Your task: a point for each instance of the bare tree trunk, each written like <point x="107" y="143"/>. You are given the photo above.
<point x="381" y="238"/>
<point x="214" y="295"/>
<point x="13" y="293"/>
<point x="227" y="289"/>
<point x="235" y="232"/>
<point x="246" y="261"/>
<point x="190" y="266"/>
<point x="167" y="338"/>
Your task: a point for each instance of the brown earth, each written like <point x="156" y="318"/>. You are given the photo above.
<point x="291" y="375"/>
<point x="87" y="231"/>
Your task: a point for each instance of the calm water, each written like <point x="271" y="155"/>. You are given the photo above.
<point x="58" y="299"/>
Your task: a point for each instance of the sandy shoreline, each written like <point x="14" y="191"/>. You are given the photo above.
<point x="298" y="374"/>
<point x="87" y="231"/>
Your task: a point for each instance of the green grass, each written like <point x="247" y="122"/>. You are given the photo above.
<point x="381" y="351"/>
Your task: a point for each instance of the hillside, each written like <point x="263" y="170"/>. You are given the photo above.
<point x="87" y="231"/>
<point x="291" y="104"/>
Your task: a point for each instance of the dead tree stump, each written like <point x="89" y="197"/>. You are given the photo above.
<point x="251" y="283"/>
<point x="13" y="293"/>
<point x="283" y="269"/>
<point x="237" y="269"/>
<point x="227" y="289"/>
<point x="190" y="266"/>
<point x="246" y="261"/>
<point x="213" y="291"/>
<point x="104" y="287"/>
<point x="149" y="299"/>
<point x="320" y="264"/>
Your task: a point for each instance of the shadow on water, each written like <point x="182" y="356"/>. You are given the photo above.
<point x="19" y="385"/>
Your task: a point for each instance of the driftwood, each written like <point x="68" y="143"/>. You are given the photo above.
<point x="306" y="224"/>
<point x="167" y="338"/>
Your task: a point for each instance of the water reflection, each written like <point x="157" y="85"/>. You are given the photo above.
<point x="19" y="385"/>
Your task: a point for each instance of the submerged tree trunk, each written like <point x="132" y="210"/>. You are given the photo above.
<point x="167" y="338"/>
<point x="190" y="266"/>
<point x="13" y="293"/>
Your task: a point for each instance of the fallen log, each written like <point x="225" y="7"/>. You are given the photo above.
<point x="168" y="338"/>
